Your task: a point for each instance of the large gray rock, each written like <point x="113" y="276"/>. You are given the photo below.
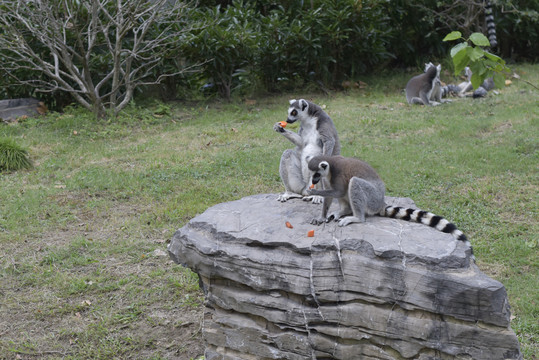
<point x="384" y="289"/>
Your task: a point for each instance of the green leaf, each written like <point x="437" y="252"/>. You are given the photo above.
<point x="457" y="48"/>
<point x="499" y="68"/>
<point x="454" y="35"/>
<point x="478" y="68"/>
<point x="499" y="80"/>
<point x="474" y="53"/>
<point x="494" y="58"/>
<point x="479" y="39"/>
<point x="477" y="80"/>
<point x="460" y="60"/>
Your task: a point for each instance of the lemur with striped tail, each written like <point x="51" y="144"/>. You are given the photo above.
<point x="491" y="26"/>
<point x="360" y="192"/>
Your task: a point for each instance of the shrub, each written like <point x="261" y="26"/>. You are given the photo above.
<point x="329" y="41"/>
<point x="517" y="27"/>
<point x="226" y="43"/>
<point x="418" y="27"/>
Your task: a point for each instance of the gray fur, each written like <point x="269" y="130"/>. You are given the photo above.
<point x="488" y="84"/>
<point x="438" y="90"/>
<point x="420" y="88"/>
<point x="485" y="87"/>
<point x="479" y="92"/>
<point x="436" y="94"/>
<point x="317" y="135"/>
<point x="453" y="89"/>
<point x="465" y="88"/>
<point x="353" y="182"/>
<point x="360" y="192"/>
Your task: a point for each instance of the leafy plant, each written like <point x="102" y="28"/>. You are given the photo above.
<point x="12" y="156"/>
<point x="482" y="63"/>
<point x="226" y="41"/>
<point x="518" y="30"/>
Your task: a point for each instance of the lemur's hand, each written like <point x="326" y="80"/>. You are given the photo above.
<point x="318" y="221"/>
<point x="278" y="127"/>
<point x="312" y="190"/>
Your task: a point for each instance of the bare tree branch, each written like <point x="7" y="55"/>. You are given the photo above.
<point x="99" y="51"/>
<point x="463" y="15"/>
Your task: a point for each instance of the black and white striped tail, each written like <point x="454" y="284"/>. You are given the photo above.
<point x="491" y="26"/>
<point x="426" y="218"/>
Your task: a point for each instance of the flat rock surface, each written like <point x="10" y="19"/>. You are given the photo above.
<point x="383" y="289"/>
<point x="262" y="219"/>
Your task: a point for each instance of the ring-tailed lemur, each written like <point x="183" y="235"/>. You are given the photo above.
<point x="464" y="88"/>
<point x="425" y="89"/>
<point x="360" y="192"/>
<point x="317" y="135"/>
<point x="438" y="91"/>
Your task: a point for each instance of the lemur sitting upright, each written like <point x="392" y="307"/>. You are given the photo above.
<point x="425" y="89"/>
<point x="317" y="135"/>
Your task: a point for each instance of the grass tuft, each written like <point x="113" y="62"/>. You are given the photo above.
<point x="12" y="156"/>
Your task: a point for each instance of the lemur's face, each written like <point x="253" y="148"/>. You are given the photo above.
<point x="296" y="110"/>
<point x="319" y="171"/>
<point x="427" y="66"/>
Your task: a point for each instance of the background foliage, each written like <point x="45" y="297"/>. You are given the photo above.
<point x="268" y="46"/>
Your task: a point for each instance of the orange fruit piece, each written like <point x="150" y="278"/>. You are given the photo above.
<point x="312" y="186"/>
<point x="310" y="233"/>
<point x="283" y="123"/>
<point x="288" y="225"/>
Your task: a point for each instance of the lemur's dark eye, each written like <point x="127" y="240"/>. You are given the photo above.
<point x="294" y="112"/>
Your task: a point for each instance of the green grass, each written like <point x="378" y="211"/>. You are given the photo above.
<point x="12" y="156"/>
<point x="80" y="277"/>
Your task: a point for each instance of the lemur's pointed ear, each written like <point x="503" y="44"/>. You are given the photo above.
<point x="304" y="104"/>
<point x="292" y="101"/>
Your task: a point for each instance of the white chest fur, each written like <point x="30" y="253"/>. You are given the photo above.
<point x="311" y="139"/>
<point x="432" y="85"/>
